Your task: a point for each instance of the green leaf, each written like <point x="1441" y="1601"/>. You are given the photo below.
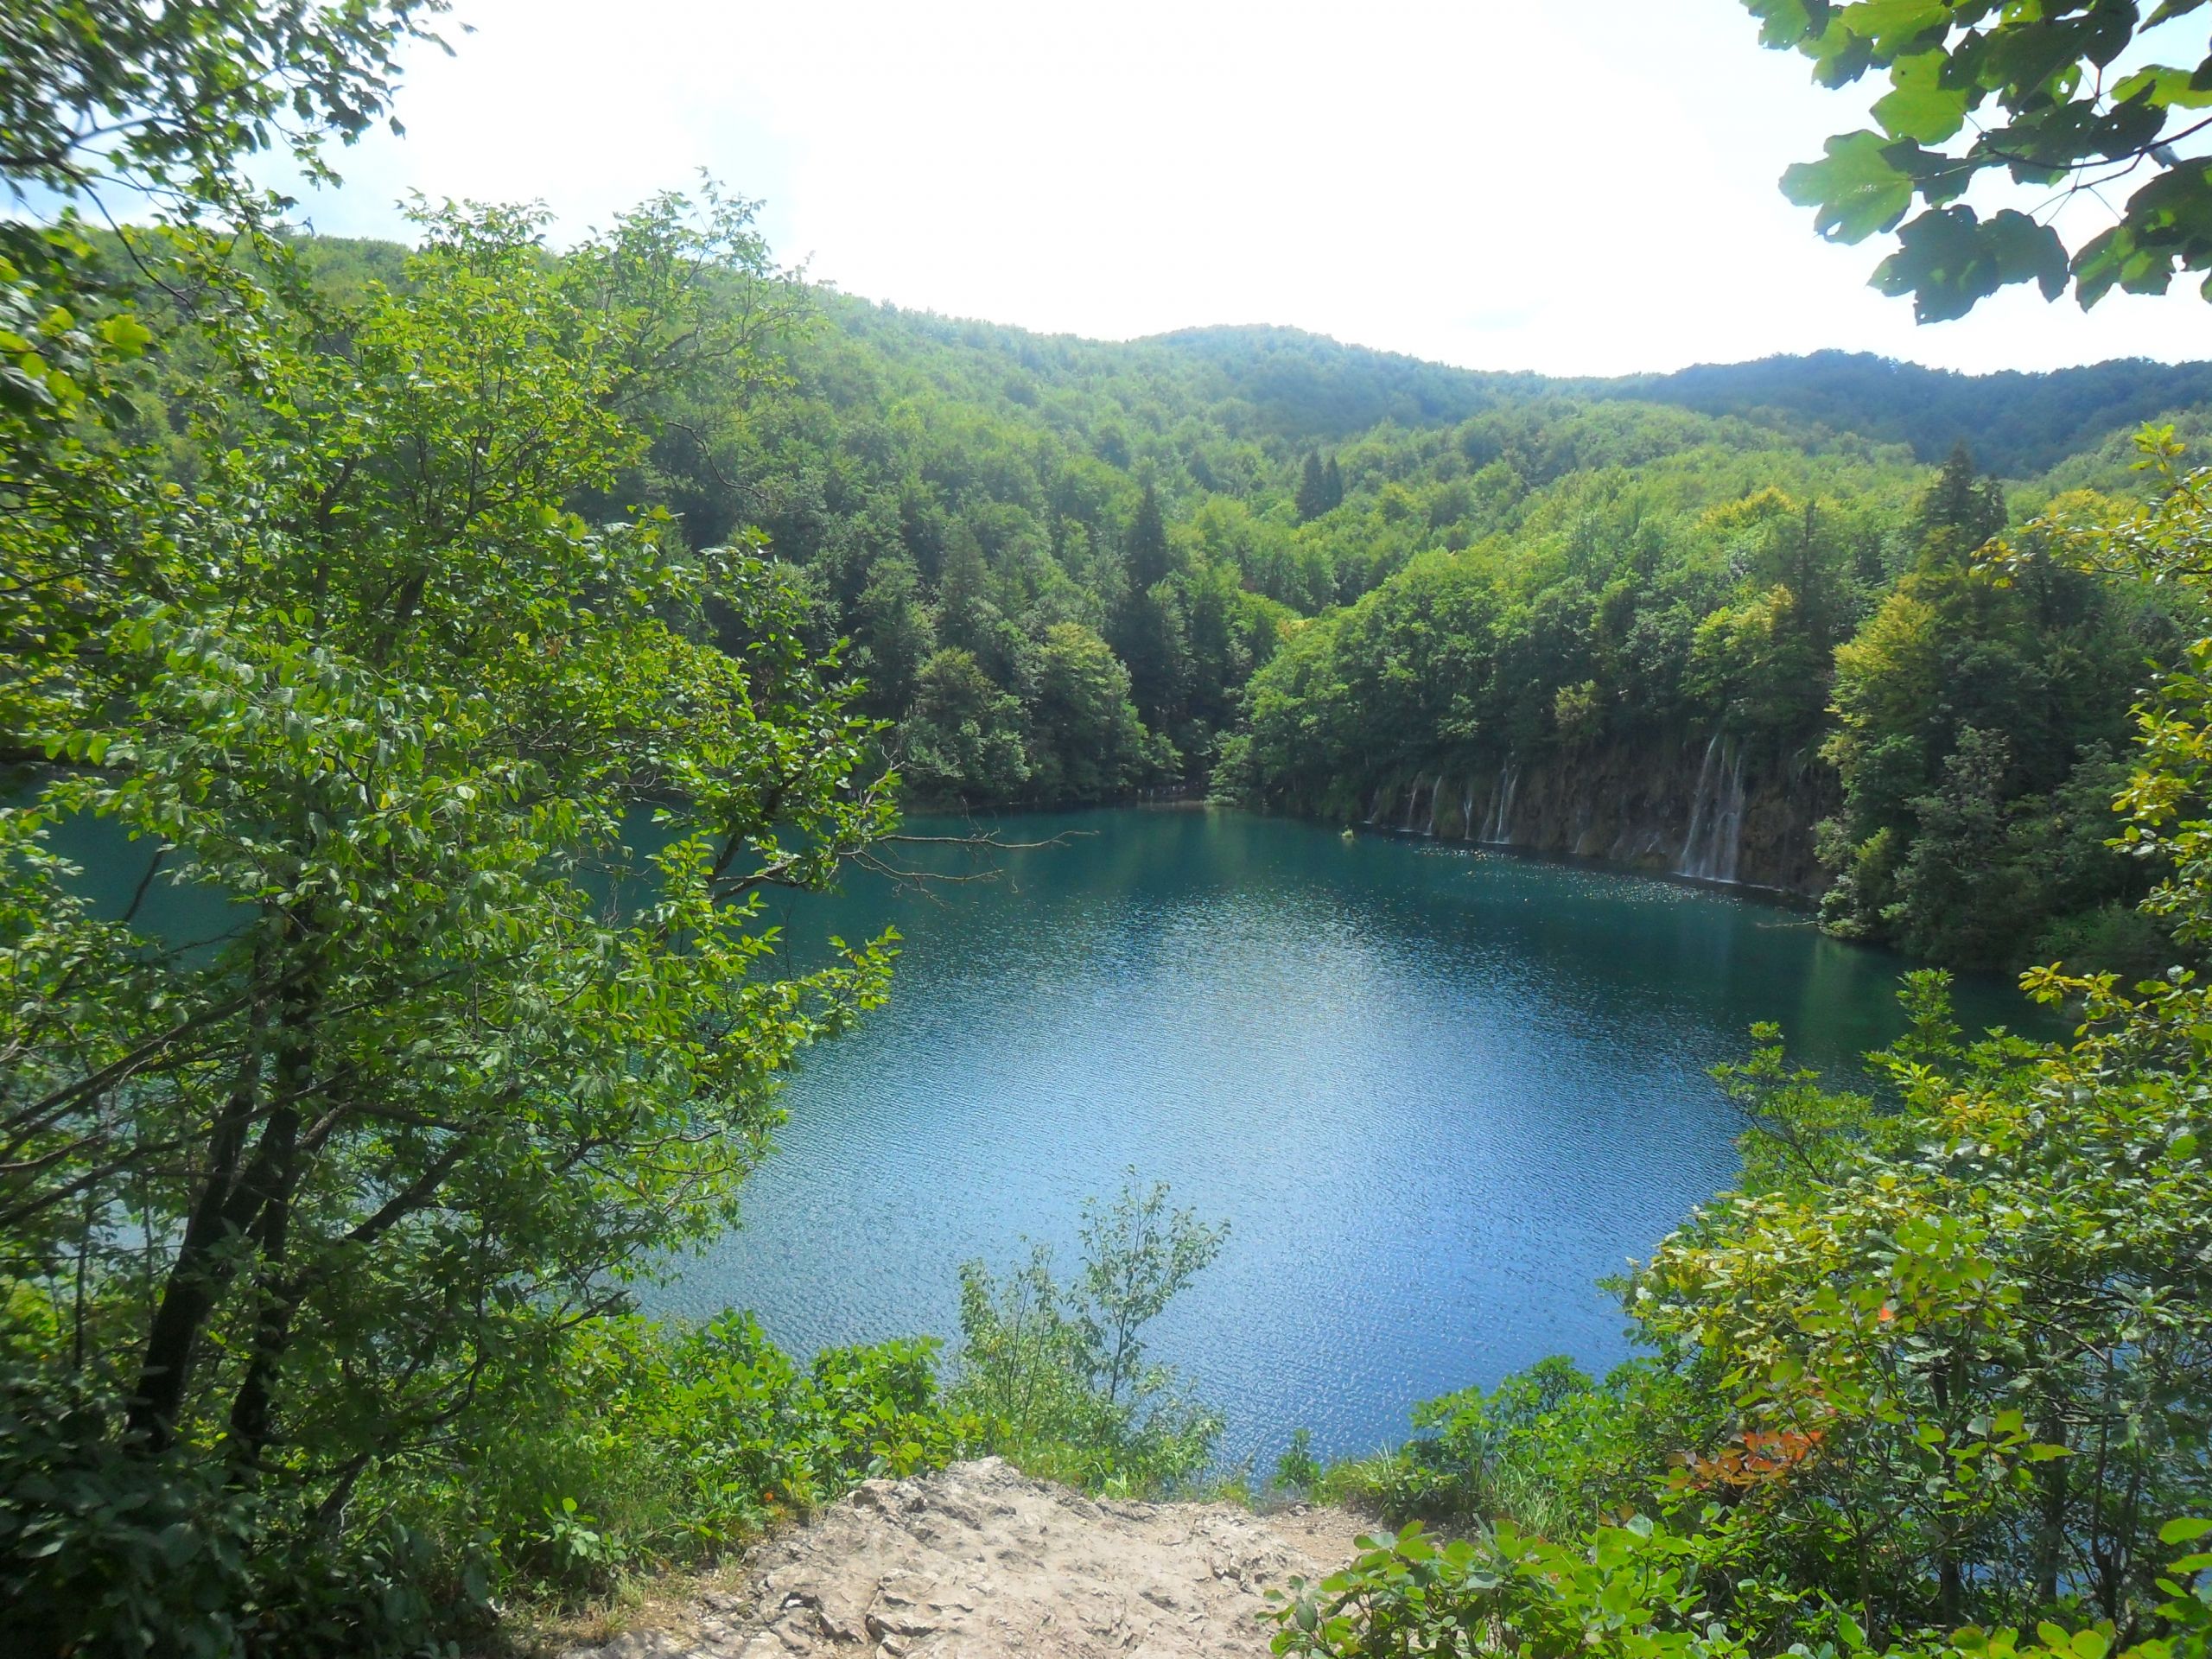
<point x="1858" y="190"/>
<point x="2163" y="88"/>
<point x="1787" y="23"/>
<point x="2184" y="1531"/>
<point x="129" y="336"/>
<point x="1950" y="257"/>
<point x="1919" y="106"/>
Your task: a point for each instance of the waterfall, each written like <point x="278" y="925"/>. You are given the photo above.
<point x="1467" y="810"/>
<point x="1685" y="864"/>
<point x="1499" y="829"/>
<point x="1435" y="794"/>
<point x="1714" y="844"/>
<point x="1412" y="794"/>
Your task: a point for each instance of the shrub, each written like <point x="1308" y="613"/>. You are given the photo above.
<point x="1056" y="1373"/>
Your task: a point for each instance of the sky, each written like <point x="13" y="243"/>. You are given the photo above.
<point x="1574" y="188"/>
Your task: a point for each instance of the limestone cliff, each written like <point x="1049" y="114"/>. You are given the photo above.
<point x="1709" y="806"/>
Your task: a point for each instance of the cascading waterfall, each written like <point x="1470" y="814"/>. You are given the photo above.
<point x="1413" y="795"/>
<point x="1499" y="829"/>
<point x="1715" y="842"/>
<point x="1467" y="810"/>
<point x="1435" y="794"/>
<point x="1697" y="808"/>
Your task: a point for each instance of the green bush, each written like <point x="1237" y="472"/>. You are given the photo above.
<point x="666" y="1444"/>
<point x="1640" y="1591"/>
<point x="1547" y="1449"/>
<point x="1057" y="1373"/>
<point x="108" y="1551"/>
<point x="1297" y="1470"/>
<point x="652" y="1445"/>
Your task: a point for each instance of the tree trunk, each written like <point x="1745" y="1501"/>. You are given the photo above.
<point x="2050" y="1530"/>
<point x="202" y="1269"/>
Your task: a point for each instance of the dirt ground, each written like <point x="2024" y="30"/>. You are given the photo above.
<point x="977" y="1562"/>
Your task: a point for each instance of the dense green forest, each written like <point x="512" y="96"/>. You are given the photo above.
<point x="383" y="593"/>
<point x="1060" y="565"/>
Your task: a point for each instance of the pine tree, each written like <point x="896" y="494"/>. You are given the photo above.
<point x="1971" y="508"/>
<point x="1313" y="490"/>
<point x="1147" y="548"/>
<point x="1333" y="486"/>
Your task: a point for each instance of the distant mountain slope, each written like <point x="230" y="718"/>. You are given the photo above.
<point x="1302" y="385"/>
<point x="1307" y="387"/>
<point x="1265" y="383"/>
<point x="2017" y="424"/>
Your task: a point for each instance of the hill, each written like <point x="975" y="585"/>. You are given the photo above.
<point x="2018" y="424"/>
<point x="1606" y="617"/>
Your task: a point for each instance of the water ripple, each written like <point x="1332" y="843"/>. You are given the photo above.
<point x="1437" y="1094"/>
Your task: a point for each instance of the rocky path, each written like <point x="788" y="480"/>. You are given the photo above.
<point x="979" y="1562"/>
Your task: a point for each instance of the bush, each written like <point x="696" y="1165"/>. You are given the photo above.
<point x="106" y="1551"/>
<point x="1547" y="1450"/>
<point x="653" y="1445"/>
<point x="1639" y="1592"/>
<point x="1056" y="1373"/>
<point x="667" y="1445"/>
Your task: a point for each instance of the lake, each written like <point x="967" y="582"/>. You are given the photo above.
<point x="1436" y="1091"/>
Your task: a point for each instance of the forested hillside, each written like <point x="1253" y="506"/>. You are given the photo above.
<point x="2019" y="424"/>
<point x="1749" y="641"/>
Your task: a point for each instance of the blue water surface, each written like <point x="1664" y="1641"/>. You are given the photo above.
<point x="1436" y="1092"/>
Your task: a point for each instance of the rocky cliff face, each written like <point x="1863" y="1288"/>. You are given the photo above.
<point x="1708" y="806"/>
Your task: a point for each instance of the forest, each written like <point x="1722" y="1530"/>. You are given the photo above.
<point x="1261" y="565"/>
<point x="385" y="592"/>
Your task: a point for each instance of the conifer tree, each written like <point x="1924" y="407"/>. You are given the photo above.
<point x="1971" y="509"/>
<point x="1147" y="547"/>
<point x="1313" y="490"/>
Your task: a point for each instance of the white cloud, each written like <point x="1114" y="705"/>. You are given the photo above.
<point x="1585" y="189"/>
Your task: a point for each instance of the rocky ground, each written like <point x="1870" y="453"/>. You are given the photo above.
<point x="980" y="1562"/>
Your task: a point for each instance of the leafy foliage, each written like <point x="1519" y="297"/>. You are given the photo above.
<point x="1637" y="1590"/>
<point x="168" y="99"/>
<point x="2036" y="93"/>
<point x="483" y="793"/>
<point x="658" y="1446"/>
<point x="1056" y="1372"/>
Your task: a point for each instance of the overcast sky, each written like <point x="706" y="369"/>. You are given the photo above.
<point x="1584" y="187"/>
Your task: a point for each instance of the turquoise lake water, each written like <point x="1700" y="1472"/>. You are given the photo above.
<point x="1436" y="1091"/>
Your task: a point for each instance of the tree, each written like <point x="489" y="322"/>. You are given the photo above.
<point x="893" y="632"/>
<point x="492" y="815"/>
<point x="1085" y="740"/>
<point x="162" y="102"/>
<point x="1966" y="648"/>
<point x="1146" y="551"/>
<point x="967" y="616"/>
<point x="1058" y="1371"/>
<point x="1137" y="1257"/>
<point x="1963" y="510"/>
<point x="1979" y="86"/>
<point x="962" y="739"/>
<point x="1312" y="499"/>
<point x="168" y="99"/>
